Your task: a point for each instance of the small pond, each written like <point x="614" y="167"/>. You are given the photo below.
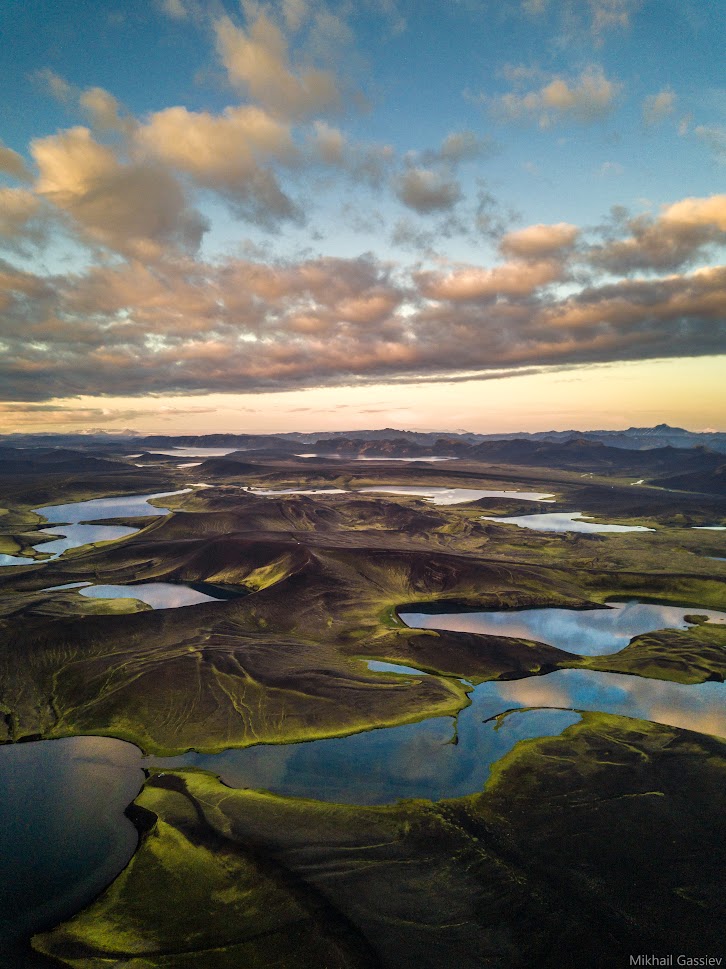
<point x="586" y="632"/>
<point x="160" y="595"/>
<point x="563" y="522"/>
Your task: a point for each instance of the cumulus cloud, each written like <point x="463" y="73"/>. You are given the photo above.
<point x="657" y="107"/>
<point x="540" y="241"/>
<point x="458" y="147"/>
<point x="134" y="208"/>
<point x="20" y="221"/>
<point x="105" y="111"/>
<point x="473" y="283"/>
<point x="330" y="143"/>
<point x="364" y="164"/>
<point x="257" y="60"/>
<point x="586" y="98"/>
<point x="11" y="163"/>
<point x="426" y="190"/>
<point x="226" y="153"/>
<point x="677" y="236"/>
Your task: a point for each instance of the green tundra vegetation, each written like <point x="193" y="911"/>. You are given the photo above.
<point x="602" y="840"/>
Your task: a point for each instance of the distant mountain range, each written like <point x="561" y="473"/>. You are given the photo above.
<point x="645" y="453"/>
<point x="383" y="442"/>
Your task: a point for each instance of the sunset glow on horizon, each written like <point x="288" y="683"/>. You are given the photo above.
<point x="315" y="215"/>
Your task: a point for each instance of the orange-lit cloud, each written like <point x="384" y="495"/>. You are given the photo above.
<point x="135" y="208"/>
<point x="539" y="241"/>
<point x="257" y="60"/>
<point x="679" y="234"/>
<point x="474" y="283"/>
<point x="585" y="98"/>
<point x="184" y="326"/>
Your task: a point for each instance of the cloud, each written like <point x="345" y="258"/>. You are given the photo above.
<point x="104" y="111"/>
<point x="677" y="236"/>
<point x="657" y="107"/>
<point x="540" y="241"/>
<point x="21" y="223"/>
<point x="226" y="153"/>
<point x="257" y="60"/>
<point x="425" y="190"/>
<point x="458" y="147"/>
<point x="136" y="329"/>
<point x="364" y="164"/>
<point x="56" y="85"/>
<point x="595" y="16"/>
<point x="11" y="163"/>
<point x="330" y="144"/>
<point x="609" y="14"/>
<point x="584" y="99"/>
<point x="135" y="208"/>
<point x="30" y="416"/>
<point x="174" y="9"/>
<point x="715" y="137"/>
<point x="473" y="283"/>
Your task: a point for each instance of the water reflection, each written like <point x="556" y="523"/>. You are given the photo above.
<point x="158" y="595"/>
<point x="457" y="496"/>
<point x="197" y="452"/>
<point x="437" y="496"/>
<point x="74" y="536"/>
<point x="17" y="560"/>
<point x="421" y="760"/>
<point x="563" y="522"/>
<point x="417" y="760"/>
<point x="366" y="457"/>
<point x="63" y="835"/>
<point x="71" y="533"/>
<point x="587" y="632"/>
<point x="96" y="509"/>
<point x="699" y="706"/>
<point x="271" y="493"/>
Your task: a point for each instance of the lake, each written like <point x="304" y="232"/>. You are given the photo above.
<point x="159" y="595"/>
<point x="586" y="632"/>
<point x="63" y="833"/>
<point x="563" y="522"/>
<point x="72" y="530"/>
<point x="437" y="496"/>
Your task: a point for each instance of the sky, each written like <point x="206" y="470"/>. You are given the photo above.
<point x="271" y="215"/>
